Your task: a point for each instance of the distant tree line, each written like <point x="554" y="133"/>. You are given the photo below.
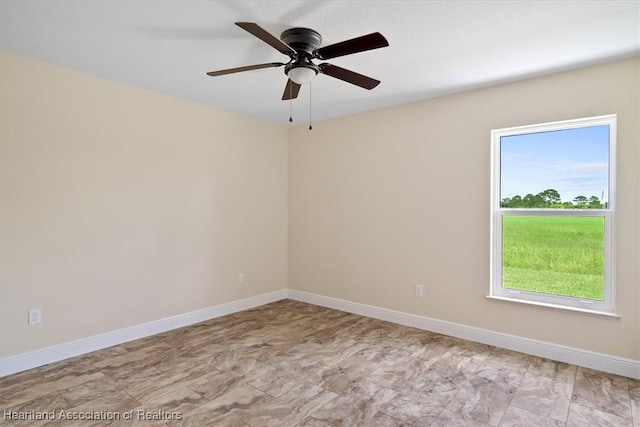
<point x="551" y="199"/>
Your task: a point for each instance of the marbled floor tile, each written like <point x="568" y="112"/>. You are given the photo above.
<point x="381" y="419"/>
<point x="310" y="369"/>
<point x="356" y="407"/>
<point x="348" y="375"/>
<point x="544" y="396"/>
<point x="49" y="404"/>
<point x="483" y="399"/>
<point x="183" y="365"/>
<point x="409" y="345"/>
<point x="294" y="364"/>
<point x="180" y="401"/>
<point x="453" y="367"/>
<point x="308" y="348"/>
<point x="330" y="334"/>
<point x="275" y="384"/>
<point x="148" y="344"/>
<point x="262" y="352"/>
<point x="383" y="377"/>
<point x="118" y="402"/>
<point x="605" y="392"/>
<point x="154" y="353"/>
<point x="216" y="384"/>
<point x="412" y="409"/>
<point x="77" y="364"/>
<point x="290" y="408"/>
<point x="340" y="324"/>
<point x="131" y="423"/>
<point x="500" y="360"/>
<point x="634" y="394"/>
<point x="369" y="330"/>
<point x="501" y="375"/>
<point x="634" y="389"/>
<point x="193" y="336"/>
<point x="71" y="379"/>
<point x="242" y="337"/>
<point x="255" y="336"/>
<point x="341" y="348"/>
<point x="516" y="417"/>
<point x="144" y="374"/>
<point x="581" y="416"/>
<point x="311" y="422"/>
<point x="335" y="348"/>
<point x="412" y="334"/>
<point x="475" y="350"/>
<point x="454" y="419"/>
<point x="90" y="391"/>
<point x="122" y="364"/>
<point x="226" y="410"/>
<point x="294" y="333"/>
<point x="384" y="353"/>
<point x="29" y="377"/>
<point x="105" y="353"/>
<point x="221" y="337"/>
<point x="394" y="375"/>
<point x="439" y="389"/>
<point x="274" y="353"/>
<point x="144" y="388"/>
<point x="233" y="361"/>
<point x="558" y="371"/>
<point x="24" y="387"/>
<point x="266" y="378"/>
<point x="431" y="352"/>
<point x="204" y="350"/>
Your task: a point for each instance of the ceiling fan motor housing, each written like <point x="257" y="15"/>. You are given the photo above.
<point x="305" y="42"/>
<point x="302" y="39"/>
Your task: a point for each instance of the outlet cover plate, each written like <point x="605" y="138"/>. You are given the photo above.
<point x="35" y="316"/>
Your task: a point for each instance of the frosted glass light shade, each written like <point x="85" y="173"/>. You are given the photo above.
<point x="302" y="75"/>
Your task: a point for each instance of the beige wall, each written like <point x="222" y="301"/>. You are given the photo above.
<point x="122" y="206"/>
<point x="381" y="201"/>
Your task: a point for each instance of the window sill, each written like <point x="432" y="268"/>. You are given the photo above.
<point x="556" y="306"/>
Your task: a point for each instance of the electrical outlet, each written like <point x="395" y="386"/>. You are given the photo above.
<point x="35" y="316"/>
<point x="419" y="290"/>
<point x="241" y="278"/>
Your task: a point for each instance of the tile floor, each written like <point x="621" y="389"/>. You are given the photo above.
<point x="295" y="364"/>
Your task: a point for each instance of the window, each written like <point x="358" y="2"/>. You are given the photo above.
<point x="552" y="214"/>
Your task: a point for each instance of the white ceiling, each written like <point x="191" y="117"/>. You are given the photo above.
<point x="436" y="47"/>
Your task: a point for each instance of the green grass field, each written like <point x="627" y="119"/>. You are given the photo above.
<point x="555" y="255"/>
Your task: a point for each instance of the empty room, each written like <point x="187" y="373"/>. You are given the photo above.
<point x="320" y="213"/>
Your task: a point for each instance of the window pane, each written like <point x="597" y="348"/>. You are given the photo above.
<point x="559" y="255"/>
<point x="557" y="169"/>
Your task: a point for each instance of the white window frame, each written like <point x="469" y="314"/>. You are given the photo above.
<point x="605" y="307"/>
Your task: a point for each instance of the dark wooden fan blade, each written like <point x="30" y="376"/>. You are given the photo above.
<point x="247" y="68"/>
<point x="291" y="90"/>
<point x="348" y="76"/>
<point x="347" y="47"/>
<point x="266" y="37"/>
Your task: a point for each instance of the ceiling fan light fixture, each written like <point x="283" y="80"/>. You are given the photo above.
<point x="302" y="75"/>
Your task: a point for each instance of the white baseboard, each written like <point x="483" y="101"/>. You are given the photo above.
<point x="33" y="359"/>
<point x="588" y="359"/>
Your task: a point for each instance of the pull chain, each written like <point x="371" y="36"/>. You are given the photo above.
<point x="290" y="103"/>
<point x="310" y="128"/>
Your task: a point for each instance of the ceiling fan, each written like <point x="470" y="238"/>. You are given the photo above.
<point x="302" y="45"/>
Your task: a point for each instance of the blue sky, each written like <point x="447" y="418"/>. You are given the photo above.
<point x="573" y="162"/>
